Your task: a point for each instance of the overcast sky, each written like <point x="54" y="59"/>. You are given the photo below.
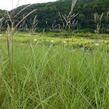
<point x="7" y="4"/>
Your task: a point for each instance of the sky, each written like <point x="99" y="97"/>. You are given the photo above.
<point x="10" y="4"/>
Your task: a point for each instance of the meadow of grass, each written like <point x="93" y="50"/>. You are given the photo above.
<point x="78" y="40"/>
<point x="54" y="76"/>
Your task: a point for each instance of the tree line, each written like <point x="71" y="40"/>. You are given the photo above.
<point x="87" y="16"/>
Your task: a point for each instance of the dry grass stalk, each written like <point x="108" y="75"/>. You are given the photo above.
<point x="68" y="18"/>
<point x="11" y="30"/>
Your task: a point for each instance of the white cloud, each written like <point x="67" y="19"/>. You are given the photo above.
<point x="9" y="4"/>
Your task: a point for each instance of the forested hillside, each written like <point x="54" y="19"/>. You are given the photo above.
<point x="49" y="15"/>
<point x="2" y="13"/>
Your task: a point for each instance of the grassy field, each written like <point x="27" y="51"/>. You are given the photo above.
<point x="79" y="40"/>
<point x="55" y="73"/>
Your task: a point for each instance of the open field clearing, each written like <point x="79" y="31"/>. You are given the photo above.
<point x="49" y="74"/>
<point x="54" y="54"/>
<point x="88" y="41"/>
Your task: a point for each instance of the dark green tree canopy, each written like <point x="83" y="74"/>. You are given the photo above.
<point x="48" y="13"/>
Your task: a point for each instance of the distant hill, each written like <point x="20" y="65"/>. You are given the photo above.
<point x="48" y="13"/>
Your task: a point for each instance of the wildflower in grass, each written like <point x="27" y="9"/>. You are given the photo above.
<point x="64" y="42"/>
<point x="35" y="40"/>
<point x="96" y="44"/>
<point x="52" y="41"/>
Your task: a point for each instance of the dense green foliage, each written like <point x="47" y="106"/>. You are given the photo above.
<point x="54" y="77"/>
<point x="2" y="13"/>
<point x="48" y="15"/>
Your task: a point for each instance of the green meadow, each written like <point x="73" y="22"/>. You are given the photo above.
<point x="52" y="72"/>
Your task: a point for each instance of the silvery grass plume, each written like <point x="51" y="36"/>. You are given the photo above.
<point x="71" y="15"/>
<point x="11" y="30"/>
<point x="98" y="20"/>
